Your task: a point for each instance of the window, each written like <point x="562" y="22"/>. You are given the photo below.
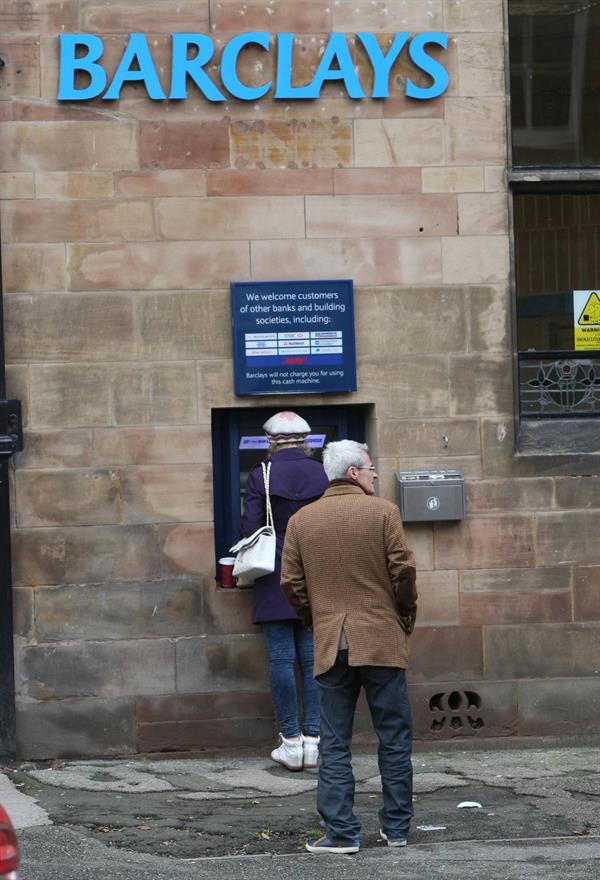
<point x="554" y="50"/>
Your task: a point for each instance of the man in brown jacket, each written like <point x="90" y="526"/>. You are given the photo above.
<point x="347" y="570"/>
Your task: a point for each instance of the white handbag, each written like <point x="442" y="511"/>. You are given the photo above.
<point x="256" y="554"/>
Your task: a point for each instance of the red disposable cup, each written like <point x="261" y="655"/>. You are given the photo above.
<point x="226" y="570"/>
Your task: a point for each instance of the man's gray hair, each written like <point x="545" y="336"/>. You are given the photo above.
<point x="341" y="455"/>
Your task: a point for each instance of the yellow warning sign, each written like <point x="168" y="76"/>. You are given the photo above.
<point x="586" y="313"/>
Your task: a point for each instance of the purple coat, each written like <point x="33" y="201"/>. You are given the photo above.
<point x="296" y="480"/>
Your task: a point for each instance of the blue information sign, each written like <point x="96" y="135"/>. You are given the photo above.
<point x="293" y="337"/>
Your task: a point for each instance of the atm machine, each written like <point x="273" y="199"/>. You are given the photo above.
<point x="239" y="444"/>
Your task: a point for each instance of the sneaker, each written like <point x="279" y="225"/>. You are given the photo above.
<point x="392" y="841"/>
<point x="310" y="745"/>
<point x="324" y="845"/>
<point x="290" y="753"/>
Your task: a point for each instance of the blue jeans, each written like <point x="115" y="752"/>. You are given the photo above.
<point x="289" y="642"/>
<point x="385" y="689"/>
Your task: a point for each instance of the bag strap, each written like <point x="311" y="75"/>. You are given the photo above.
<point x="266" y="469"/>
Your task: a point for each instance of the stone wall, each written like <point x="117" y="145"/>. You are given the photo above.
<point x="122" y="226"/>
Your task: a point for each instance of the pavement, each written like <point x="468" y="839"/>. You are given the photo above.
<point x="533" y="813"/>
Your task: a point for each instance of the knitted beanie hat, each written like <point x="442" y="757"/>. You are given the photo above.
<point x="286" y="427"/>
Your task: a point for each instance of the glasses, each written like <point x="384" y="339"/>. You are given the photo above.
<point x="367" y="467"/>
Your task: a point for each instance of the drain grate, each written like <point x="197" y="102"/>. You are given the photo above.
<point x="456" y="712"/>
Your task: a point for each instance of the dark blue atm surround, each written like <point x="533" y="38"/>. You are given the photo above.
<point x="293" y="337"/>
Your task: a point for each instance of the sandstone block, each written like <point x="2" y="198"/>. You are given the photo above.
<point x="367" y="181"/>
<point x="406" y="387"/>
<point x="188" y="548"/>
<point x="587" y="593"/>
<point x="368" y="261"/>
<point x="22" y="603"/>
<point x="232" y="15"/>
<point x="18" y="388"/>
<point x="199" y="735"/>
<point x="481" y="64"/>
<point x="99" y="327"/>
<point x="495" y="178"/>
<point x="481" y="383"/>
<point x="16" y="185"/>
<point x="451" y="709"/>
<point x="195" y="707"/>
<point x="39" y="16"/>
<point x="542" y="650"/>
<point x="72" y="220"/>
<point x="67" y="497"/>
<point x="75" y="728"/>
<point x="167" y="493"/>
<point x="184" y="145"/>
<point x="475" y="131"/>
<point x="180" y="325"/>
<point x="386" y="16"/>
<point x="138" y="610"/>
<point x="489" y="314"/>
<point x="89" y="555"/>
<point x="483" y="213"/>
<point x="560" y="707"/>
<point x="446" y="653"/>
<point x="164" y="265"/>
<point x="568" y="536"/>
<point x="104" y="669"/>
<point x="486" y="542"/>
<point x="519" y="580"/>
<point x="69" y="146"/>
<point x="485" y="608"/>
<point x="148" y="16"/>
<point x="295" y="143"/>
<point x="65" y="396"/>
<point x="188" y="182"/>
<point x="221" y="663"/>
<point x="398" y="142"/>
<point x="31" y="267"/>
<point x="414" y="438"/>
<point x="21" y="70"/>
<point x="274" y="182"/>
<point x="154" y="394"/>
<point x="380" y="216"/>
<point x="438" y="598"/>
<point x="150" y="445"/>
<point x="474" y="16"/>
<point x="56" y="449"/>
<point x="76" y="185"/>
<point x="578" y="492"/>
<point x="227" y="612"/>
<point x="510" y="495"/>
<point x="230" y="218"/>
<point x="475" y="259"/>
<point x="453" y="180"/>
<point x="420" y="540"/>
<point x="500" y="459"/>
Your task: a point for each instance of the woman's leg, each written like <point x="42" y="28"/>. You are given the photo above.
<point x="310" y="689"/>
<point x="281" y="648"/>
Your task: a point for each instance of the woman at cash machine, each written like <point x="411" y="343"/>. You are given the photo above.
<point x="295" y="480"/>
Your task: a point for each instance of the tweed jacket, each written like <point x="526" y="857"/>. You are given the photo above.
<point x="346" y="565"/>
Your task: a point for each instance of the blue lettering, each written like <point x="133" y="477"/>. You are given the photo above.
<point x="382" y="64"/>
<point x="229" y="59"/>
<point x="69" y="64"/>
<point x="136" y="50"/>
<point x="439" y="74"/>
<point x="182" y="66"/>
<point x="336" y="50"/>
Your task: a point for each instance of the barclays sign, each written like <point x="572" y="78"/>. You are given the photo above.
<point x="192" y="52"/>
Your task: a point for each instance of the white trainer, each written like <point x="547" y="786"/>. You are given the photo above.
<point x="289" y="754"/>
<point x="310" y="745"/>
